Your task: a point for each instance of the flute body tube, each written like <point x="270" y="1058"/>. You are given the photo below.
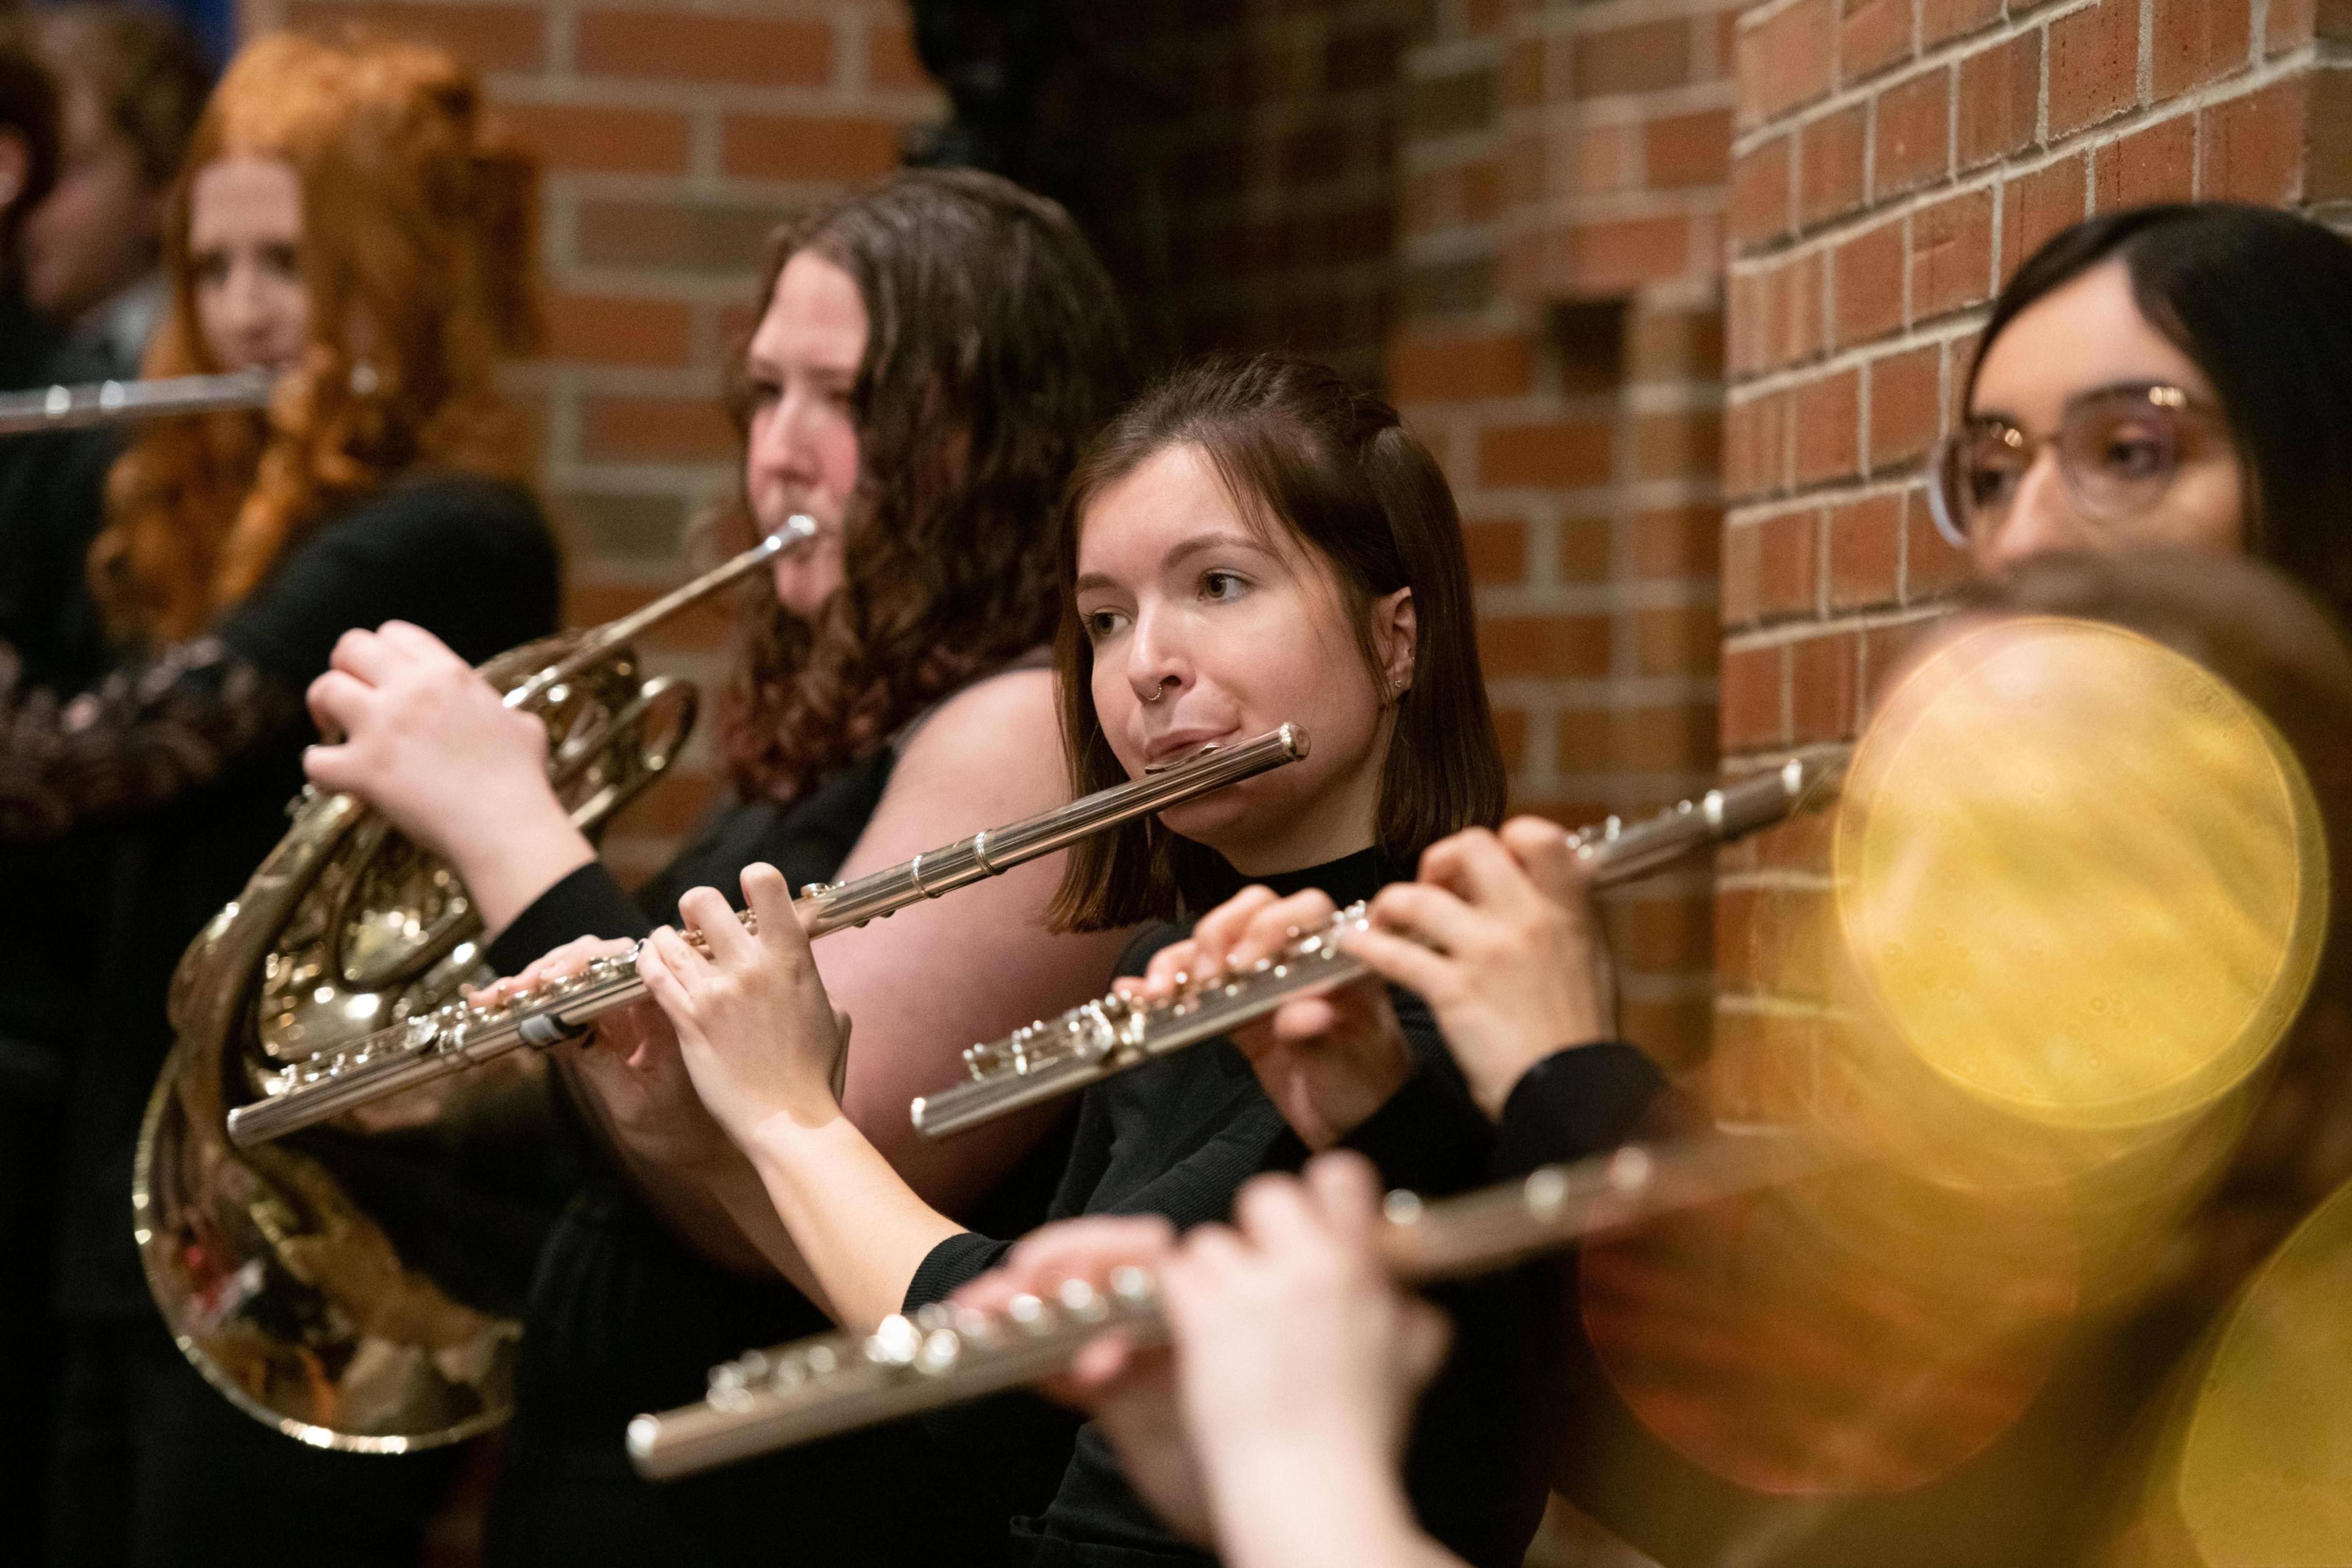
<point x="460" y="1035"/>
<point x="1110" y="1034"/>
<point x="945" y="1354"/>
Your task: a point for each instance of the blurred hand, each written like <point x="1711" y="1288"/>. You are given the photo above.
<point x="753" y="1025"/>
<point x="1131" y="1391"/>
<point x="1498" y="935"/>
<point x="1327" y="1061"/>
<point x="1292" y="1344"/>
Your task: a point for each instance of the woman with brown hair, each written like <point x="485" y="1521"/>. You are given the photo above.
<point x="933" y="353"/>
<point x="1254" y="542"/>
<point x="343" y="223"/>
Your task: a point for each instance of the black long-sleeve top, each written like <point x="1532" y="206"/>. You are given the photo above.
<point x="191" y="758"/>
<point x="1178" y="1138"/>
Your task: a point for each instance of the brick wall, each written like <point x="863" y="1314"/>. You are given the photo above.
<point x="1564" y="168"/>
<point x="1276" y="177"/>
<point x="1892" y="161"/>
<point x="675" y="136"/>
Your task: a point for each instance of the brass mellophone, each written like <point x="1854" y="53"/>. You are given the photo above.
<point x="112" y="403"/>
<point x="945" y="1354"/>
<point x="459" y="1034"/>
<point x="1111" y="1034"/>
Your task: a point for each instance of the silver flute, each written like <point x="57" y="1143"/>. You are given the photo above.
<point x="461" y="1034"/>
<point x="112" y="403"/>
<point x="945" y="1354"/>
<point x="1111" y="1034"/>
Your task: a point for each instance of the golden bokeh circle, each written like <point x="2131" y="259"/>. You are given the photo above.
<point x="2080" y="877"/>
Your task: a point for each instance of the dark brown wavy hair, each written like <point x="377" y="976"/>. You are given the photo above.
<point x="1298" y="448"/>
<point x="410" y="220"/>
<point x="994" y="350"/>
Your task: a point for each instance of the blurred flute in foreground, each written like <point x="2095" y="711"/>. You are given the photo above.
<point x="461" y="1035"/>
<point x="945" y="1354"/>
<point x="110" y="403"/>
<point x="1111" y="1034"/>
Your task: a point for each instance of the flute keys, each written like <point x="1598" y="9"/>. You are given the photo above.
<point x="895" y="1342"/>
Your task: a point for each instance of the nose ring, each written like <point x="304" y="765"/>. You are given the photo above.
<point x="1159" y="689"/>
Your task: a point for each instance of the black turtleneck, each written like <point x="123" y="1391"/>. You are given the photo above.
<point x="1179" y="1137"/>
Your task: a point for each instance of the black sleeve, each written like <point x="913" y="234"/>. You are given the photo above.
<point x="1575" y="1103"/>
<point x="1430" y="1136"/>
<point x="145" y="736"/>
<point x="468" y="560"/>
<point x="588" y="902"/>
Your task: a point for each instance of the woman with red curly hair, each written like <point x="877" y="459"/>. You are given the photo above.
<point x="341" y="221"/>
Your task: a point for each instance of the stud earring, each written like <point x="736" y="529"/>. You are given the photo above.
<point x="364" y="380"/>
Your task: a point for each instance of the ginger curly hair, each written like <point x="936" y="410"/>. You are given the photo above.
<point x="416" y="228"/>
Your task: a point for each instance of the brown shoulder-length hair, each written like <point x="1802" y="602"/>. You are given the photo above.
<point x="1299" y="448"/>
<point x="994" y="350"/>
<point x="417" y="232"/>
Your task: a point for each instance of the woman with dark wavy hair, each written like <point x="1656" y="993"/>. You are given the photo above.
<point x="934" y="353"/>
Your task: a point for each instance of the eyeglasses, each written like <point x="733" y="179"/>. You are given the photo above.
<point x="2118" y="450"/>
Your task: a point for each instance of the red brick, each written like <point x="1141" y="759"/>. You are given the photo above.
<point x="688" y="47"/>
<point x="1943" y="19"/>
<point x="1866" y="547"/>
<point x="1647" y="56"/>
<point x="1788" y="564"/>
<point x="1931" y="565"/>
<point x="1800" y="318"/>
<point x="1559" y="454"/>
<point x="2327" y="147"/>
<point x="605" y="331"/>
<point x="1677" y="542"/>
<point x="796" y="147"/>
<point x="1668" y="933"/>
<point x="1582" y="546"/>
<point x="2253" y="147"/>
<point x="1751" y="682"/>
<point x="1874" y="35"/>
<point x="1828" y="418"/>
<point x="1686" y="443"/>
<point x="1914" y="134"/>
<point x="1678" y="642"/>
<point x="1760" y="193"/>
<point x="2035" y="206"/>
<point x="605" y="141"/>
<point x="2291" y="25"/>
<point x="1616" y="256"/>
<point x="1831" y="166"/>
<point x="2192" y="42"/>
<point x="1951" y="254"/>
<point x="1607" y="158"/>
<point x="2158" y="165"/>
<point x="1869" y="273"/>
<point x="1756" y="445"/>
<point x="891" y="58"/>
<point x="1886" y="649"/>
<point x="1906" y="392"/>
<point x="1511" y="736"/>
<point x="1785" y="60"/>
<point x="1557" y="647"/>
<point x="668" y="429"/>
<point x="488" y="38"/>
<point x="1497" y="550"/>
<point x="1685" y="149"/>
<point x="2093" y="64"/>
<point x="1742" y="570"/>
<point x="2001" y="99"/>
<point x="1823" y="681"/>
<point x="1427" y="369"/>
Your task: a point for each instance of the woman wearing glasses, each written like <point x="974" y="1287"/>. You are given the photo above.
<point x="2173" y="376"/>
